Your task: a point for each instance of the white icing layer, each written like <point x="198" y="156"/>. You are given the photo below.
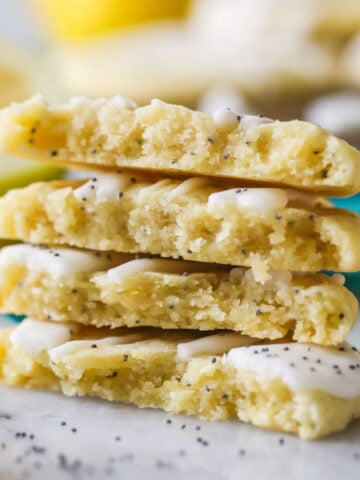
<point x="106" y="187"/>
<point x="225" y="118"/>
<point x="254" y="120"/>
<point x="154" y="265"/>
<point x="59" y="351"/>
<point x="110" y="187"/>
<point x="154" y="187"/>
<point x="213" y="344"/>
<point x="265" y="199"/>
<point x="187" y="186"/>
<point x="219" y="96"/>
<point x="33" y="336"/>
<point x="59" y="261"/>
<point x="335" y="370"/>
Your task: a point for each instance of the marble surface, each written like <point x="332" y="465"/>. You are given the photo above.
<point x="44" y="435"/>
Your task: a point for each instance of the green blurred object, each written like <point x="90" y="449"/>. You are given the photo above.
<point x="15" y="173"/>
<point x="18" y="173"/>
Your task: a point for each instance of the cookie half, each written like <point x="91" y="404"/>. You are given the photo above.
<point x="175" y="140"/>
<point x="292" y="387"/>
<point x="260" y="228"/>
<point x="61" y="284"/>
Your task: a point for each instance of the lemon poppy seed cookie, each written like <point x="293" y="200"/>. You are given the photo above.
<point x="61" y="284"/>
<point x="259" y="228"/>
<point x="292" y="387"/>
<point x="171" y="138"/>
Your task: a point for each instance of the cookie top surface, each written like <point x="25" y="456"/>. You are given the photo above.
<point x="174" y="140"/>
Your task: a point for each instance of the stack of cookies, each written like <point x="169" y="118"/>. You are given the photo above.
<point x="181" y="273"/>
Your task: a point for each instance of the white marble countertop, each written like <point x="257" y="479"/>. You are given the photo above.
<point x="45" y="436"/>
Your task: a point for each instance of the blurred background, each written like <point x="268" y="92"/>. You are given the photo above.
<point x="280" y="58"/>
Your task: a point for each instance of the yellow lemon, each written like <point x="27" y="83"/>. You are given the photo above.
<point x="82" y="18"/>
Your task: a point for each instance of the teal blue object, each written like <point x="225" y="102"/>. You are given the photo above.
<point x="350" y="203"/>
<point x="352" y="282"/>
<point x="15" y="318"/>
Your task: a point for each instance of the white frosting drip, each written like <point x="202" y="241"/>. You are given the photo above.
<point x="154" y="187"/>
<point x="213" y="344"/>
<point x="59" y="351"/>
<point x="219" y="96"/>
<point x="33" y="336"/>
<point x="187" y="186"/>
<point x="303" y="366"/>
<point x="153" y="265"/>
<point x="266" y="199"/>
<point x="254" y="120"/>
<point x="106" y="187"/>
<point x="59" y="261"/>
<point x="225" y="118"/>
